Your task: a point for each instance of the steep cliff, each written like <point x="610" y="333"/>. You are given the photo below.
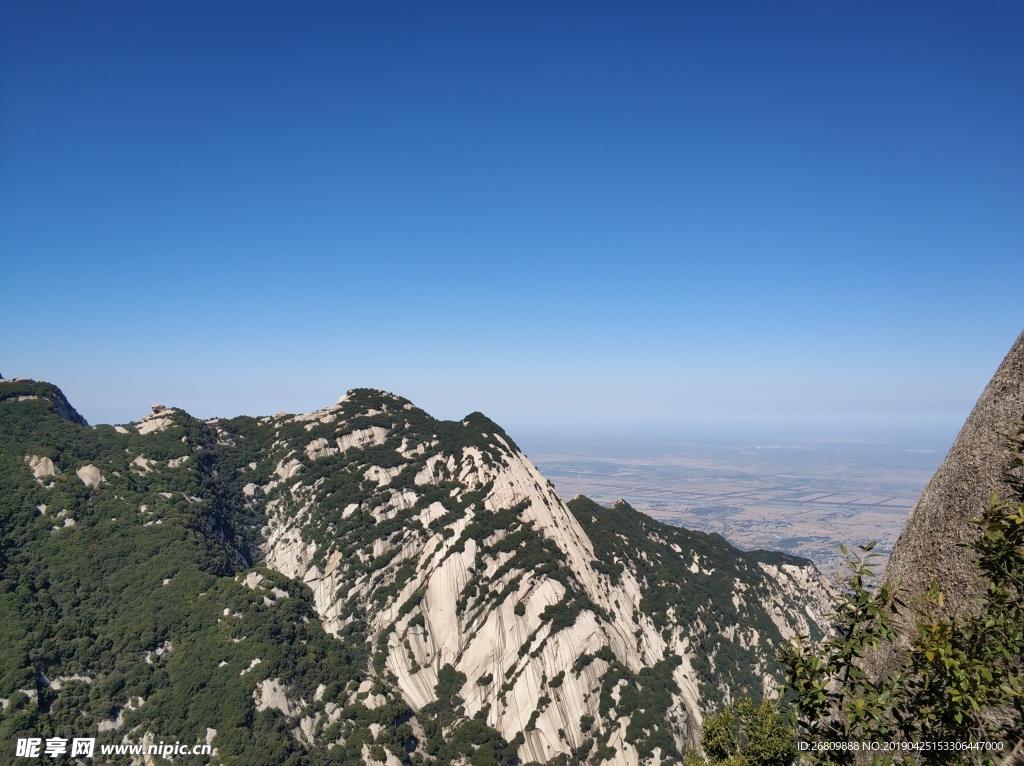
<point x="454" y="550"/>
<point x="420" y="593"/>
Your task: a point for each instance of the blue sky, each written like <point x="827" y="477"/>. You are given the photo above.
<point x="557" y="213"/>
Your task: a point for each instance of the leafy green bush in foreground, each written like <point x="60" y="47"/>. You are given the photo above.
<point x="959" y="679"/>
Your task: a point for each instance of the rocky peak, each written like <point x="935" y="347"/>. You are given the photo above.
<point x="438" y="568"/>
<point x="450" y="550"/>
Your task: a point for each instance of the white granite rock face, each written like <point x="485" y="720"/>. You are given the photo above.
<point x="43" y="468"/>
<point x="461" y="603"/>
<point x="159" y="419"/>
<point x="440" y="546"/>
<point x="90" y="476"/>
<point x="272" y="693"/>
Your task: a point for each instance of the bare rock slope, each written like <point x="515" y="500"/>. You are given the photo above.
<point x="361" y="584"/>
<point x="569" y="625"/>
<point x="937" y="534"/>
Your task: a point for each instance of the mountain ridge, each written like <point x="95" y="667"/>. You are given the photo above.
<point x="441" y="562"/>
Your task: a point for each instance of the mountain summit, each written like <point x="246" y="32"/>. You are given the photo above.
<point x="362" y="583"/>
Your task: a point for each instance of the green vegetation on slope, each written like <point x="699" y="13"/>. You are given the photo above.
<point x="131" y="596"/>
<point x="698" y="589"/>
<point x="141" y="597"/>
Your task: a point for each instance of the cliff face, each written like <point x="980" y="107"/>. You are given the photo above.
<point x="361" y="583"/>
<point x="454" y="550"/>
<point x="936" y="536"/>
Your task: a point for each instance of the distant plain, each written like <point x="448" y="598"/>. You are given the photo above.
<point x="801" y="492"/>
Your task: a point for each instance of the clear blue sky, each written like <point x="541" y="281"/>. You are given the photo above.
<point x="551" y="212"/>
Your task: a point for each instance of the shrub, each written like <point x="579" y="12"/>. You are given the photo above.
<point x="959" y="680"/>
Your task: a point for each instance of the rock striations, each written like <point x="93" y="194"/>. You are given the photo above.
<point x="457" y="584"/>
<point x="453" y="550"/>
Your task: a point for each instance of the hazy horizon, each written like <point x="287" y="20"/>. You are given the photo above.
<point x="641" y="435"/>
